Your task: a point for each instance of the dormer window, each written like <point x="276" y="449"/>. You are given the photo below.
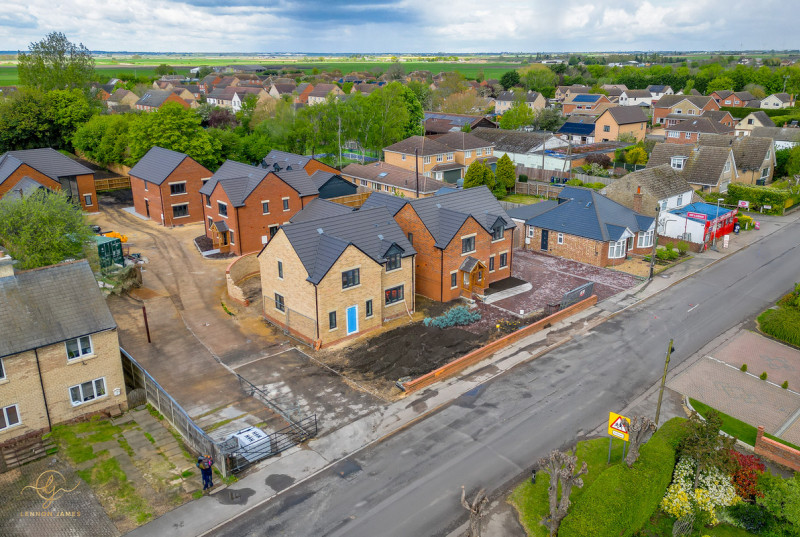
<point x="677" y="162"/>
<point x="497" y="233"/>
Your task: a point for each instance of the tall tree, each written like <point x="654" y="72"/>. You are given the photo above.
<point x="561" y="469"/>
<point x="43" y="228"/>
<point x="506" y="174"/>
<point x="509" y="79"/>
<point x="518" y="116"/>
<point x="395" y="71"/>
<point x="55" y="63"/>
<point x="477" y="175"/>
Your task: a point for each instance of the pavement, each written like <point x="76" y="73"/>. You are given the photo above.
<point x="271" y="477"/>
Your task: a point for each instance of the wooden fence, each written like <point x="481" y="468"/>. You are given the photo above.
<point x="112" y="183"/>
<point x="538" y="189"/>
<point x="353" y="200"/>
<point x="538" y="174"/>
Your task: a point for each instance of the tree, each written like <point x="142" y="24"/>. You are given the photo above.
<point x="537" y="77"/>
<point x="561" y="469"/>
<point x="104" y="139"/>
<point x="464" y="102"/>
<point x="548" y="119"/>
<point x="164" y="69"/>
<point x="55" y="63"/>
<point x="204" y="71"/>
<point x="639" y="430"/>
<point x="245" y="114"/>
<point x="477" y="175"/>
<point x="599" y="159"/>
<point x="475" y="510"/>
<point x="395" y="71"/>
<point x="509" y="79"/>
<point x="43" y="228"/>
<point x="718" y="84"/>
<point x="705" y="445"/>
<point x="792" y="166"/>
<point x="423" y="93"/>
<point x="518" y="116"/>
<point x="506" y="173"/>
<point x="416" y="114"/>
<point x="781" y="498"/>
<point x="781" y="159"/>
<point x="636" y="155"/>
<point x="174" y="128"/>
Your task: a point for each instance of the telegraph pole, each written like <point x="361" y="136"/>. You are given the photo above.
<point x="655" y="243"/>
<point x="416" y="168"/>
<point x="670" y="349"/>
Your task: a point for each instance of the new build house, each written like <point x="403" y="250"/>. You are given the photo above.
<point x="338" y="277"/>
<point x="166" y="187"/>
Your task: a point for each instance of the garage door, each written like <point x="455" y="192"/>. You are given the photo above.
<point x="451" y="176"/>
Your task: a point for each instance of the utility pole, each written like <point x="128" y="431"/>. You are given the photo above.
<point x="655" y="242"/>
<point x="416" y="168"/>
<point x="670" y="350"/>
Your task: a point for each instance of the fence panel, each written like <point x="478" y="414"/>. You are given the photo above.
<point x="112" y="183"/>
<point x="535" y="188"/>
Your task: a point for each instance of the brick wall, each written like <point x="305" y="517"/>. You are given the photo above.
<point x="85" y="185"/>
<point x="581" y="249"/>
<point x="23" y="387"/>
<point x="189" y="171"/>
<point x="241" y="269"/>
<point x="777" y="452"/>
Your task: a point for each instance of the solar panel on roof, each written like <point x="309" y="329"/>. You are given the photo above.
<point x="585" y="98"/>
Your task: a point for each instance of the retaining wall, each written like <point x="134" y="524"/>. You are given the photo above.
<point x="241" y="269"/>
<point x="777" y="452"/>
<point x="458" y="365"/>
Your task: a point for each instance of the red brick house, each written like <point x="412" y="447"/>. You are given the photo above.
<point x="166" y="187"/>
<point x="672" y="109"/>
<point x="588" y="227"/>
<point x="244" y="206"/>
<point x="463" y="240"/>
<point x="155" y="99"/>
<point x="736" y="99"/>
<point x="689" y="130"/>
<point x="584" y="103"/>
<point x="22" y="172"/>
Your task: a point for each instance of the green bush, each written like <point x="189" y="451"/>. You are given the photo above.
<point x="683" y="247"/>
<point x="458" y="316"/>
<point x="785" y="385"/>
<point x="758" y="196"/>
<point x="744" y="368"/>
<point x="782" y="323"/>
<point x="669" y="246"/>
<point x="662" y="254"/>
<point x="522" y="178"/>
<point x="621" y="500"/>
<point x="763" y="376"/>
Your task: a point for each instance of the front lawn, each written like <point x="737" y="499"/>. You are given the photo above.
<point x="522" y="198"/>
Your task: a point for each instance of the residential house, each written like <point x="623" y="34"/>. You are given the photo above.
<point x="614" y="91"/>
<point x="166" y="187"/>
<point x="754" y="156"/>
<point x="442" y="123"/>
<point x="102" y="91"/>
<point x="751" y="121"/>
<point x="506" y="99"/>
<point x="303" y="92"/>
<point x="586" y="226"/>
<point x="186" y="95"/>
<point x="155" y="99"/>
<point x="621" y="122"/>
<point x="784" y="138"/>
<point x="382" y="177"/>
<point x="566" y="159"/>
<point x="520" y="146"/>
<point x="463" y="240"/>
<point x="688" y="131"/>
<point x="672" y="109"/>
<point x="163" y="85"/>
<point x="636" y="97"/>
<point x="29" y="169"/>
<point x="243" y="206"/>
<point x="644" y="190"/>
<point x="281" y="160"/>
<point x="657" y="91"/>
<point x="583" y="103"/>
<point x="721" y="116"/>
<point x="321" y="91"/>
<point x="121" y="98"/>
<point x="579" y="129"/>
<point x="277" y="91"/>
<point x="705" y="168"/>
<point x="209" y="82"/>
<point x="565" y="93"/>
<point x="319" y="209"/>
<point x="736" y="99"/>
<point x="523" y="213"/>
<point x="777" y="101"/>
<point x="445" y="158"/>
<point x="338" y="277"/>
<point x="59" y="352"/>
<point x="364" y="88"/>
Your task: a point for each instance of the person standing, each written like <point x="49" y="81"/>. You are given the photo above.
<point x="205" y="463"/>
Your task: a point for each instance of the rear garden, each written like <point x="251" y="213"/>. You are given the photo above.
<point x="687" y="481"/>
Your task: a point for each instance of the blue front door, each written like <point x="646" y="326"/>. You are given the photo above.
<point x="352" y="320"/>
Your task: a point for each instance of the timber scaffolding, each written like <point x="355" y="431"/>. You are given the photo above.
<point x="228" y="455"/>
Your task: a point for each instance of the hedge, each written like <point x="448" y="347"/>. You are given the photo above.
<point x="759" y="196"/>
<point x="742" y="112"/>
<point x="623" y="499"/>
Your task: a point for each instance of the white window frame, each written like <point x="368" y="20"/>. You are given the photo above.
<point x="727" y="167"/>
<point x="80" y="354"/>
<point x="692" y="112"/>
<point x="674" y="134"/>
<point x="285" y="202"/>
<point x="280" y="269"/>
<point x="186" y="204"/>
<point x="560" y="238"/>
<point x="87" y="200"/>
<point x="677" y="163"/>
<point x="231" y="236"/>
<point x="2" y="370"/>
<point x="94" y="396"/>
<point x="765" y="173"/>
<point x="468" y="153"/>
<point x="262" y="206"/>
<point x="688" y="135"/>
<point x="531" y="232"/>
<point x="426" y="160"/>
<point x="644" y="239"/>
<point x="450" y="157"/>
<point x="616" y="250"/>
<point x="178" y="193"/>
<point x="402" y="156"/>
<point x="439" y="157"/>
<point x="679" y="200"/>
<point x="4" y="412"/>
<point x="479" y="152"/>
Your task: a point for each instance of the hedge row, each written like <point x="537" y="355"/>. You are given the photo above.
<point x="621" y="500"/>
<point x="759" y="196"/>
<point x="742" y="112"/>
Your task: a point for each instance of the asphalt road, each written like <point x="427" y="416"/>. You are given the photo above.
<point x="410" y="484"/>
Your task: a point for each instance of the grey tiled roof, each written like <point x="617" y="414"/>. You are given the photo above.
<point x="284" y="159"/>
<point x="392" y="175"/>
<point x="319" y="243"/>
<point x="319" y="209"/>
<point x="668" y="101"/>
<point x="783" y="134"/>
<point x="527" y="212"/>
<point x="426" y="146"/>
<point x="298" y="180"/>
<point x="156" y="165"/>
<point x="154" y="98"/>
<point x="661" y="181"/>
<point x="704" y="165"/>
<point x="625" y="115"/>
<point x="585" y="213"/>
<point x="236" y="179"/>
<point x="50" y="305"/>
<point x="45" y="160"/>
<point x="512" y="141"/>
<point x="638" y="94"/>
<point x="749" y="152"/>
<point x="716" y="115"/>
<point x="462" y="140"/>
<point x="701" y="124"/>
<point x="379" y="199"/>
<point x="763" y="118"/>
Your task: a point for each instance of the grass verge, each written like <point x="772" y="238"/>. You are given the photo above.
<point x="782" y="323"/>
<point x="734" y="427"/>
<point x="76" y="440"/>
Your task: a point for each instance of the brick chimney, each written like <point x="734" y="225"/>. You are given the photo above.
<point x="637" y="200"/>
<point x="6" y="266"/>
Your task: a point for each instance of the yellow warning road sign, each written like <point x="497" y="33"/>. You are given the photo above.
<point x="618" y="426"/>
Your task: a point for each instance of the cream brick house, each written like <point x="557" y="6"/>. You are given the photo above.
<point x="329" y="279"/>
<point x="59" y="351"/>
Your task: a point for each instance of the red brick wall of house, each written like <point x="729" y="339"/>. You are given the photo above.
<point x="85" y="184"/>
<point x="682" y="139"/>
<point x="659" y="114"/>
<point x="188" y="170"/>
<point x="581" y="249"/>
<point x="175" y="99"/>
<point x="433" y="266"/>
<point x="248" y="222"/>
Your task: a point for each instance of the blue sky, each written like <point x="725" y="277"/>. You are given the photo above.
<point x="364" y="26"/>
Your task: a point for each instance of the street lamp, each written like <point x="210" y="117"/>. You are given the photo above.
<point x="716" y="226"/>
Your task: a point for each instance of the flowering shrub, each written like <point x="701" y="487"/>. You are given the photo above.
<point x="745" y="478"/>
<point x="715" y="490"/>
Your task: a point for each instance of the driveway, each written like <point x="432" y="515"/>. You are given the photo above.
<point x="551" y="277"/>
<point x="197" y="347"/>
